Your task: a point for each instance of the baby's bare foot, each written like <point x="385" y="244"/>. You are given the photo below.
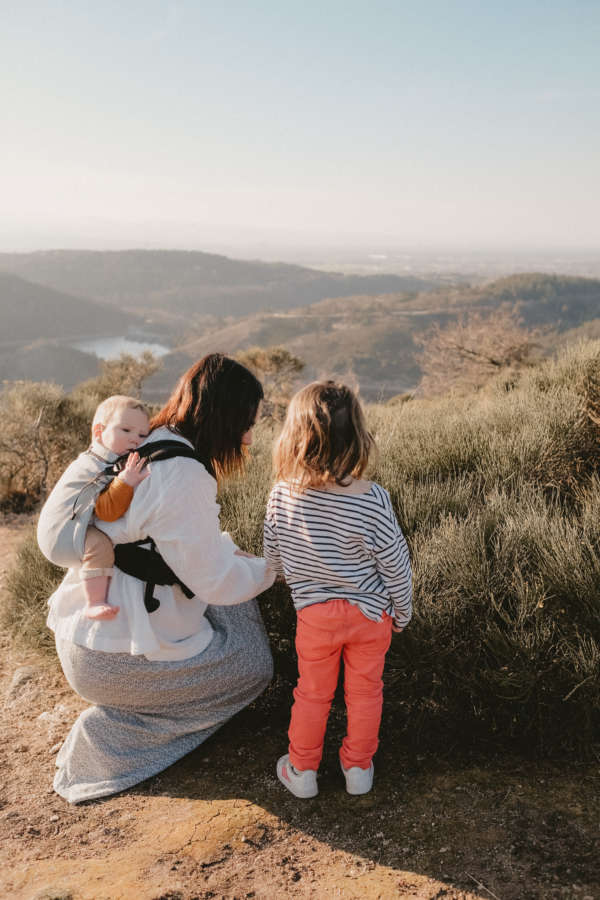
<point x="101" y="611"/>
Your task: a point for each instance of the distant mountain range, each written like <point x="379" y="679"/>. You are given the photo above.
<point x="362" y="328"/>
<point x="193" y="283"/>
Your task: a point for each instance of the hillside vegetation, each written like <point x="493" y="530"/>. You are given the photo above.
<point x="372" y="341"/>
<point x="540" y="299"/>
<point x="498" y="495"/>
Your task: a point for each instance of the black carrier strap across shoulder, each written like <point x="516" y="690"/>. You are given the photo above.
<point x="141" y="558"/>
<point x="153" y="452"/>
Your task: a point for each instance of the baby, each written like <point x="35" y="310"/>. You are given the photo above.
<point x="66" y="535"/>
<point x="120" y="425"/>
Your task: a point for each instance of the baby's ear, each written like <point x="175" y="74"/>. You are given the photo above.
<point x="97" y="430"/>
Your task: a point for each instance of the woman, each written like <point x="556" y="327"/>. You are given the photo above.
<point x="163" y="681"/>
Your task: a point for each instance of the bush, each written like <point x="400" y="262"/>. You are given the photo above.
<point x="504" y="647"/>
<point x="43" y="429"/>
<point x="498" y="495"/>
<point x="29" y="585"/>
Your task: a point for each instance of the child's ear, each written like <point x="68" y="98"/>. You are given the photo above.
<point x="97" y="430"/>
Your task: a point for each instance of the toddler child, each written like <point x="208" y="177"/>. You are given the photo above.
<point x="65" y="533"/>
<point x="335" y="538"/>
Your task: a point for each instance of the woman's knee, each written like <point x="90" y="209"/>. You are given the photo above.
<point x="265" y="671"/>
<point x="259" y="666"/>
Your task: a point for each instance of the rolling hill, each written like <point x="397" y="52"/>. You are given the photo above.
<point x="192" y="282"/>
<point x="47" y="361"/>
<point x="30" y="312"/>
<point x="367" y="337"/>
<point x="370" y="340"/>
<point x="557" y="300"/>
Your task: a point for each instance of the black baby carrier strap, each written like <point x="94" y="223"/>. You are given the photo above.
<point x="153" y="452"/>
<point x="141" y="558"/>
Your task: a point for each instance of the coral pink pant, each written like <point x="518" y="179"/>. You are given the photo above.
<point x="324" y="631"/>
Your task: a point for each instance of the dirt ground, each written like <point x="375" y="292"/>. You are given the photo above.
<point x="219" y="825"/>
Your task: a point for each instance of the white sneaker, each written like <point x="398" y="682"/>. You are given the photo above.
<point x="301" y="784"/>
<point x="358" y="781"/>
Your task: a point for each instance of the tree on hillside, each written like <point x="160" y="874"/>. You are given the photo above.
<point x="278" y="370"/>
<point x="124" y="375"/>
<point x="465" y="353"/>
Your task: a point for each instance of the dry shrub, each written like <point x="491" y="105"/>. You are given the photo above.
<point x="464" y="354"/>
<point x="278" y="370"/>
<point x="125" y="375"/>
<point x="42" y="431"/>
<point x="505" y="643"/>
<point x="29" y="584"/>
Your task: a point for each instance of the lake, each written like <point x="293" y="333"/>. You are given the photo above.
<point x="112" y="347"/>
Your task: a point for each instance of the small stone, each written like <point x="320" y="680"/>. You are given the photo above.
<point x="54" y="818"/>
<point x="55" y="748"/>
<point x="444" y="849"/>
<point x="21" y="748"/>
<point x="55" y="716"/>
<point x="19" y="682"/>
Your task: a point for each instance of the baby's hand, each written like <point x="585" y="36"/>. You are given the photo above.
<point x="135" y="470"/>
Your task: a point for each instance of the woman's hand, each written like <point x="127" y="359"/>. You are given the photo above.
<point x="135" y="470"/>
<point x="397" y="628"/>
<point x="239" y="552"/>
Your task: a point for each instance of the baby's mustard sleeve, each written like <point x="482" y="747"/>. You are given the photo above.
<point x="114" y="501"/>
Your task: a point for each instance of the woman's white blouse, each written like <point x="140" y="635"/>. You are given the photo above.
<point x="177" y="507"/>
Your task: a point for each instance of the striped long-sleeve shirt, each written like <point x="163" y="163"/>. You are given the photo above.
<point x="329" y="544"/>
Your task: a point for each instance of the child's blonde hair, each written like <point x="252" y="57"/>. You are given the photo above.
<point x="107" y="409"/>
<point x="325" y="437"/>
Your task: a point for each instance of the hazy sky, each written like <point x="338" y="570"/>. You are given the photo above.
<point x="418" y="122"/>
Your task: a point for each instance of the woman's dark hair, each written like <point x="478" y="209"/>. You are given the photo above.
<point x="214" y="404"/>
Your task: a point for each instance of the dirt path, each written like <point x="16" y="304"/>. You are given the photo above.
<point x="219" y="825"/>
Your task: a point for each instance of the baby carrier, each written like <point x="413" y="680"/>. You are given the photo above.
<point x="141" y="558"/>
<point x="68" y="511"/>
